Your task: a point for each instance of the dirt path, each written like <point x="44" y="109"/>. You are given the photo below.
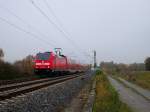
<point x="145" y="93"/>
<point x="136" y="101"/>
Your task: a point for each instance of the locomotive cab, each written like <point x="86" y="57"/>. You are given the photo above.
<point x="43" y="62"/>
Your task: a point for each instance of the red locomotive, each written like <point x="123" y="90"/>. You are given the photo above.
<point x="56" y="63"/>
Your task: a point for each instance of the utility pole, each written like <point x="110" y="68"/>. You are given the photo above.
<point x="95" y="65"/>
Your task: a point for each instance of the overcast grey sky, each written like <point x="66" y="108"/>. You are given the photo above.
<point x="118" y="30"/>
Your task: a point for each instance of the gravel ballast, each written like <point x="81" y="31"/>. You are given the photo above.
<point x="50" y="99"/>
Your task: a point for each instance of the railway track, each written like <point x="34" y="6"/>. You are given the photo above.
<point x="6" y="82"/>
<point x="13" y="90"/>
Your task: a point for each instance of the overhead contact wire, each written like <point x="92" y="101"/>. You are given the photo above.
<point x="59" y="29"/>
<point x="23" y="30"/>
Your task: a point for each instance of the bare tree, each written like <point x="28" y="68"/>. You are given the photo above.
<point x="1" y="53"/>
<point x="26" y="65"/>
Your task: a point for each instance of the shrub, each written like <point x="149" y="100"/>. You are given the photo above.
<point x="99" y="72"/>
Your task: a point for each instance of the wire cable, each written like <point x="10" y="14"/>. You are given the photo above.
<point x="58" y="28"/>
<point x="24" y="22"/>
<point x="53" y="13"/>
<point x="23" y="30"/>
<point x="61" y="25"/>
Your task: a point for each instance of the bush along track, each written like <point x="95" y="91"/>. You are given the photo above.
<point x="107" y="99"/>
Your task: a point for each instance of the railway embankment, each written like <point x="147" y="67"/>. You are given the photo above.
<point x="49" y="99"/>
<point x="83" y="102"/>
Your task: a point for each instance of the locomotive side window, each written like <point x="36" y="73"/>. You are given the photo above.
<point x="43" y="56"/>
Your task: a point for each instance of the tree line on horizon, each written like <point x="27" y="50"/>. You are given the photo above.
<point x="24" y="67"/>
<point x="113" y="68"/>
<point x="19" y="69"/>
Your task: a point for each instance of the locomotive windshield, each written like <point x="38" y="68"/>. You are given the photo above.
<point x="43" y="56"/>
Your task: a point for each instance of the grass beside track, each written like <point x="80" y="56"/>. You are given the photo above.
<point x="107" y="99"/>
<point x="141" y="78"/>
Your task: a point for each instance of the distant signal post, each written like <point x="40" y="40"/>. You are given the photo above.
<point x="95" y="64"/>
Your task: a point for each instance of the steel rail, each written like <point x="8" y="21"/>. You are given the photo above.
<point x="25" y="83"/>
<point x="29" y="88"/>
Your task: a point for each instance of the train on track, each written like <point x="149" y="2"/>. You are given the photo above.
<point x="56" y="63"/>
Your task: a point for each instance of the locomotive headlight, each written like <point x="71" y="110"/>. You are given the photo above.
<point x="46" y="63"/>
<point x="38" y="63"/>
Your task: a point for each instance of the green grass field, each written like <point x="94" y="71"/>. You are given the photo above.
<point x="107" y="99"/>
